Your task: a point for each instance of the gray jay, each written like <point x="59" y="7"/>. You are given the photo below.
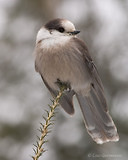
<point x="62" y="58"/>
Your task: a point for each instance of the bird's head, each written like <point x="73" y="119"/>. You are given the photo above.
<point x="56" y="29"/>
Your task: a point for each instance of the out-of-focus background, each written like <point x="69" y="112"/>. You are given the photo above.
<point x="23" y="96"/>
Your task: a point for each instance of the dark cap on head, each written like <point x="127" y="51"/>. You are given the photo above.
<point x="58" y="24"/>
<point x="54" y="24"/>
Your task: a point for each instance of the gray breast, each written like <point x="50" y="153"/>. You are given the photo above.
<point x="64" y="63"/>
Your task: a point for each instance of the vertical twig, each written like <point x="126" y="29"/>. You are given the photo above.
<point x="44" y="129"/>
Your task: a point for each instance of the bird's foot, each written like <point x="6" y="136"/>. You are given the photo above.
<point x="65" y="85"/>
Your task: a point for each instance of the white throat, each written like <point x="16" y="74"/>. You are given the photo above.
<point x="51" y="39"/>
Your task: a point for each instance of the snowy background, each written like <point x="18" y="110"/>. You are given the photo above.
<point x="23" y="96"/>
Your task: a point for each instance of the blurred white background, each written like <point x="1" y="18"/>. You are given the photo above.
<point x="23" y="96"/>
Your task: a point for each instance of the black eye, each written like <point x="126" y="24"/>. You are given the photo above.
<point x="61" y="29"/>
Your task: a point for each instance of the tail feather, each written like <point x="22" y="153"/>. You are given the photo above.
<point x="98" y="122"/>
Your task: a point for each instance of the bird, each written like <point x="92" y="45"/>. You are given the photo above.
<point x="61" y="58"/>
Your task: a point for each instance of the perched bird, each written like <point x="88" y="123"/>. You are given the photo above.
<point x="63" y="59"/>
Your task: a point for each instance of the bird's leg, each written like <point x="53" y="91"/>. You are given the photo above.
<point x="65" y="85"/>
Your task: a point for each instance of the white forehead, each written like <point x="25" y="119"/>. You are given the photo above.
<point x="69" y="26"/>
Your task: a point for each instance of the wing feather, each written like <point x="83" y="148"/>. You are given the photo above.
<point x="98" y="121"/>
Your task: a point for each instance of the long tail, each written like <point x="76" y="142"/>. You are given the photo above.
<point x="98" y="121"/>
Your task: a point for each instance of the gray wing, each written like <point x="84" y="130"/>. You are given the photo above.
<point x="65" y="100"/>
<point x="98" y="122"/>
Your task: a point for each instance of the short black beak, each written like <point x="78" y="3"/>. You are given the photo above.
<point x="75" y="32"/>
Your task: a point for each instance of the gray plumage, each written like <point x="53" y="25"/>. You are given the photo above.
<point x="68" y="60"/>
